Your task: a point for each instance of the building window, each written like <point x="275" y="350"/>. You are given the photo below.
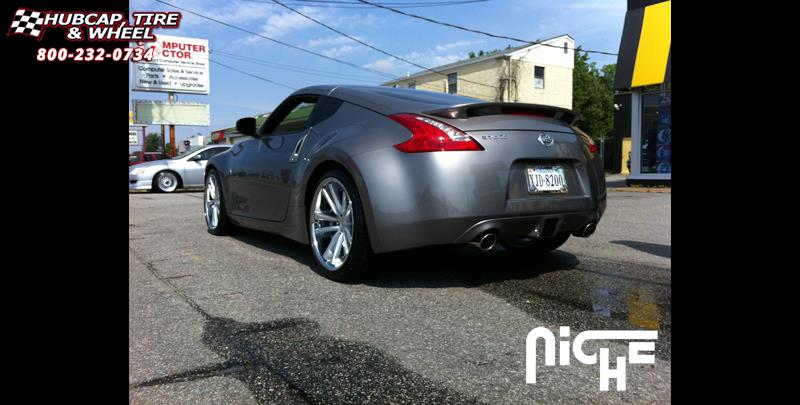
<point x="656" y="135"/>
<point x="452" y="83"/>
<point x="566" y="49"/>
<point x="412" y="85"/>
<point x="538" y="77"/>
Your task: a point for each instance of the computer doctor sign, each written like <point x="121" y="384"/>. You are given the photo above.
<point x="179" y="65"/>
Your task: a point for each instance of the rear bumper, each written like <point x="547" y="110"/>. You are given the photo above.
<point x="448" y="231"/>
<point x="415" y="200"/>
<point x="537" y="226"/>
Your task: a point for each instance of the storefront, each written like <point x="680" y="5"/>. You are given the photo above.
<point x="643" y="98"/>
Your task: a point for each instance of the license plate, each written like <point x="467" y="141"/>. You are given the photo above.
<point x="546" y="179"/>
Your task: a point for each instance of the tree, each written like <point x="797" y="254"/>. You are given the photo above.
<point x="593" y="96"/>
<point x="152" y="143"/>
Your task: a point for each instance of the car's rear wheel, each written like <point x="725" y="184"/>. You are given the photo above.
<point x="537" y="246"/>
<point x="213" y="205"/>
<point x="166" y="182"/>
<point x="337" y="232"/>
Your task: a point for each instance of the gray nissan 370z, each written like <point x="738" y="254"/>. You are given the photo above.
<point x="356" y="170"/>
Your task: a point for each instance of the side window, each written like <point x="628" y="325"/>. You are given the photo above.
<point x="297" y="118"/>
<point x="452" y="83"/>
<point x="209" y="153"/>
<point x="538" y="77"/>
<point x="326" y="108"/>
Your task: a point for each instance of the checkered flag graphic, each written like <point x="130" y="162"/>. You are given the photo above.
<point x="27" y="22"/>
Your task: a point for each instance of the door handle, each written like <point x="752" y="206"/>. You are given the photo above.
<point x="297" y="148"/>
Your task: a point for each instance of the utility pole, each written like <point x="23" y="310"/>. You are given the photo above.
<point x="163" y="141"/>
<point x="172" y="97"/>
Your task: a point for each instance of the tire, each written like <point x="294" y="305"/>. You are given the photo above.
<point x="166" y="181"/>
<point x="335" y="255"/>
<point x="539" y="246"/>
<point x="214" y="210"/>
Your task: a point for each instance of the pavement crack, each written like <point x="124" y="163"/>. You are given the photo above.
<point x="177" y="277"/>
<point x="152" y="269"/>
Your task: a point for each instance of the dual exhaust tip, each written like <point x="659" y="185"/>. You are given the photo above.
<point x="485" y="242"/>
<point x="587" y="230"/>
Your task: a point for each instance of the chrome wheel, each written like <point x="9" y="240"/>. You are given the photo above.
<point x="211" y="208"/>
<point x="167" y="182"/>
<point x="331" y="219"/>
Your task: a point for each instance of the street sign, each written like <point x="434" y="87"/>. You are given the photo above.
<point x="152" y="112"/>
<point x="179" y="65"/>
<point x="130" y="117"/>
<point x="133" y="138"/>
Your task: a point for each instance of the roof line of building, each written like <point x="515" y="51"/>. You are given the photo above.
<point x="465" y="62"/>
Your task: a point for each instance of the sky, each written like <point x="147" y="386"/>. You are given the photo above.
<point x="594" y="24"/>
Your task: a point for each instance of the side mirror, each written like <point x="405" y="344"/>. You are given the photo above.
<point x="196" y="158"/>
<point x="246" y="126"/>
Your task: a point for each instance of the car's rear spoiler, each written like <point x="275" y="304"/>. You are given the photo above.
<point x="480" y="109"/>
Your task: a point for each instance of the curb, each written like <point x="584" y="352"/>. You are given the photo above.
<point x="662" y="190"/>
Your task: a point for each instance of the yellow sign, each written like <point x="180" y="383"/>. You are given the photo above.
<point x="130" y="117"/>
<point x="654" y="45"/>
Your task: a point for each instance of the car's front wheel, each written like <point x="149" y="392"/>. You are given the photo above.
<point x="337" y="232"/>
<point x="213" y="205"/>
<point x="166" y="181"/>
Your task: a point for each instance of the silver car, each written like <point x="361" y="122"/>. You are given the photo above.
<point x="357" y="170"/>
<point x="166" y="175"/>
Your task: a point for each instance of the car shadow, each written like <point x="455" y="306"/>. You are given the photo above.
<point x="555" y="287"/>
<point x="429" y="267"/>
<point x="462" y="266"/>
<point x="652" y="248"/>
<point x="274" y="243"/>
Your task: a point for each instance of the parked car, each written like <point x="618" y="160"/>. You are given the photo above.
<point x="357" y="170"/>
<point x="138" y="157"/>
<point x="166" y="175"/>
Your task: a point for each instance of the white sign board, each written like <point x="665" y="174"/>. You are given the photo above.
<point x="179" y="65"/>
<point x="133" y="138"/>
<point x="152" y="112"/>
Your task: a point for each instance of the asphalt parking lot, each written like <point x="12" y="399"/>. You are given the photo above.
<point x="242" y="319"/>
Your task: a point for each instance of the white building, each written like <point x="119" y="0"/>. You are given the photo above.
<point x="537" y="74"/>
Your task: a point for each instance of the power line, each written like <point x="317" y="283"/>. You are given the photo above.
<point x="400" y="58"/>
<point x="277" y="41"/>
<point x="410" y="3"/>
<point x="395" y="10"/>
<point x="292" y="68"/>
<point x="391" y="76"/>
<point x="357" y="5"/>
<point x="252" y="75"/>
<point x="266" y="63"/>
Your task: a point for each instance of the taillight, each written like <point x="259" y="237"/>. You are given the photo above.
<point x="429" y="135"/>
<point x="587" y="140"/>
